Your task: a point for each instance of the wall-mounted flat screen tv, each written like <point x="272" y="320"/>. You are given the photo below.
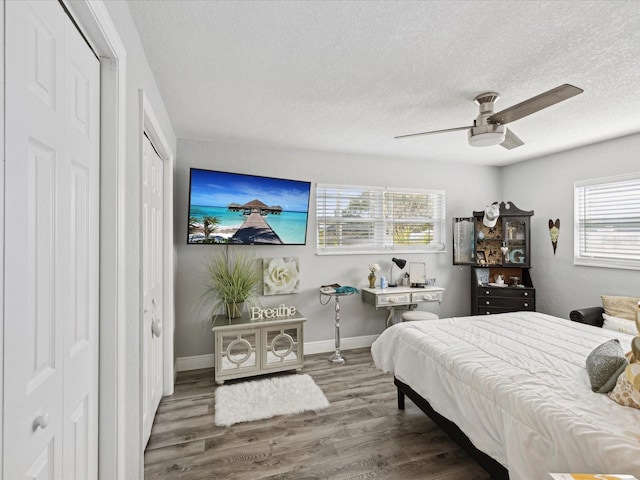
<point x="234" y="208"/>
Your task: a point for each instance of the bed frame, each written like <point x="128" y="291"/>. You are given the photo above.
<point x="590" y="316"/>
<point x="494" y="468"/>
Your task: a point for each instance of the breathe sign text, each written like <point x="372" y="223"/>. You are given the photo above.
<point x="258" y="313"/>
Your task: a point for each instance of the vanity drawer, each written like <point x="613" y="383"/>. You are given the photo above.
<point x="426" y="297"/>
<point x="401" y="296"/>
<point x="395" y="299"/>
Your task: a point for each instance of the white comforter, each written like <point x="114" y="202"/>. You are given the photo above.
<point x="517" y="385"/>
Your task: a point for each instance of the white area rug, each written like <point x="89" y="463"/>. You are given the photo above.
<point x="258" y="399"/>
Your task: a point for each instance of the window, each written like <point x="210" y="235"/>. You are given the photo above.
<point x="607" y="222"/>
<point x="355" y="219"/>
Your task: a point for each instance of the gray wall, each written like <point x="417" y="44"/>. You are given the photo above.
<point x="467" y="188"/>
<point x="546" y="186"/>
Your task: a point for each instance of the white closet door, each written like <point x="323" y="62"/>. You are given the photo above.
<point x="51" y="246"/>
<point x="152" y="285"/>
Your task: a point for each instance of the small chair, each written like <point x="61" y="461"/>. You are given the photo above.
<point x="413" y="315"/>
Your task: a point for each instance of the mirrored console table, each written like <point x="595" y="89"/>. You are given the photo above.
<point x="245" y="347"/>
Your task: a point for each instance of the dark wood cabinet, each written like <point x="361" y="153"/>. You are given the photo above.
<point x="499" y="255"/>
<point x="504" y="299"/>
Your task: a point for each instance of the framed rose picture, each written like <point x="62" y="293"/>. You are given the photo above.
<point x="280" y="275"/>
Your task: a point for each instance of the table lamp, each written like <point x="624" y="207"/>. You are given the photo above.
<point x="400" y="263"/>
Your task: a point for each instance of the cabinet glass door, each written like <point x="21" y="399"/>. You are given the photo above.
<point x="282" y="345"/>
<point x="237" y="351"/>
<point x="516" y="241"/>
<point x="487" y="242"/>
<point x="463" y="241"/>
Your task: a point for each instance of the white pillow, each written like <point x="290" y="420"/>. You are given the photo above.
<point x="619" y="324"/>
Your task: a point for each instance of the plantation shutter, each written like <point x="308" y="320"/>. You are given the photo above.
<point x="357" y="219"/>
<point x="607" y="216"/>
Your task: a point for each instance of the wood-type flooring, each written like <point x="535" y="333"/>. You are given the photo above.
<point x="362" y="435"/>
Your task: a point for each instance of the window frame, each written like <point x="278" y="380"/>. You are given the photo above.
<point x="620" y="258"/>
<point x="380" y="224"/>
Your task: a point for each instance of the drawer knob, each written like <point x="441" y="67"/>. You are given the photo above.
<point x="487" y="292"/>
<point x="487" y="302"/>
<point x="526" y="294"/>
<point x="526" y="304"/>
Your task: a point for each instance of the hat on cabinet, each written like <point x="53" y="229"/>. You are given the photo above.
<point x="491" y="214"/>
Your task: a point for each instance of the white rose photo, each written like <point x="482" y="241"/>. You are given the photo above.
<point x="281" y="275"/>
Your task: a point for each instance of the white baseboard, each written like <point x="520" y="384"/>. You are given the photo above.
<point x="345" y="344"/>
<point x="197" y="362"/>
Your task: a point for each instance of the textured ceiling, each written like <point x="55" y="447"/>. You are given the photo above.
<point x="348" y="76"/>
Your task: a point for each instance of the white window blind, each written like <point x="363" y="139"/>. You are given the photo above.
<point x="607" y="222"/>
<point x="358" y="219"/>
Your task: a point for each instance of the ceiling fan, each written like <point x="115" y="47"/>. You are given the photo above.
<point x="489" y="128"/>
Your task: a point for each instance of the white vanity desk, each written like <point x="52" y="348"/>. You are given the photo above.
<point x="407" y="298"/>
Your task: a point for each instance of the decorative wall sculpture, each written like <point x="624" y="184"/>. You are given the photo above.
<point x="554" y="232"/>
<point x="281" y="275"/>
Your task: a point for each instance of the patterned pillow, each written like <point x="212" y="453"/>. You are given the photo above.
<point x="619" y="324"/>
<point x="621" y="307"/>
<point x="624" y="392"/>
<point x="605" y="364"/>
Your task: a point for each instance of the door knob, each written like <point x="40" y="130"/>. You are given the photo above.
<point x="40" y="421"/>
<point x="156" y="327"/>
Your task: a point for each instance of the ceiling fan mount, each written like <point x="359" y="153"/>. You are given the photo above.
<point x="489" y="128"/>
<point x="486" y="99"/>
<point x="483" y="133"/>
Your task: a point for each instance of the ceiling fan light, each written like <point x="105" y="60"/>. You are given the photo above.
<point x="486" y="139"/>
<point x="486" y="135"/>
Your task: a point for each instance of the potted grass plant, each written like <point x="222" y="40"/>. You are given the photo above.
<point x="230" y="283"/>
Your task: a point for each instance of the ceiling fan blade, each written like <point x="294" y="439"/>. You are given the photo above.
<point x="534" y="104"/>
<point x="434" y="131"/>
<point x="511" y="140"/>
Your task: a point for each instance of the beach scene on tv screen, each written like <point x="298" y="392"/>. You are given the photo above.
<point x="246" y="209"/>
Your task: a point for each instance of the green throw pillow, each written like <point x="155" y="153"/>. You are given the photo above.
<point x="605" y="364"/>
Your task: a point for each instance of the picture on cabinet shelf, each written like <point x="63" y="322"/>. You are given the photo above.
<point x="482" y="276"/>
<point x="481" y="258"/>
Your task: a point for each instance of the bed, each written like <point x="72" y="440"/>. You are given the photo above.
<point x="514" y="387"/>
